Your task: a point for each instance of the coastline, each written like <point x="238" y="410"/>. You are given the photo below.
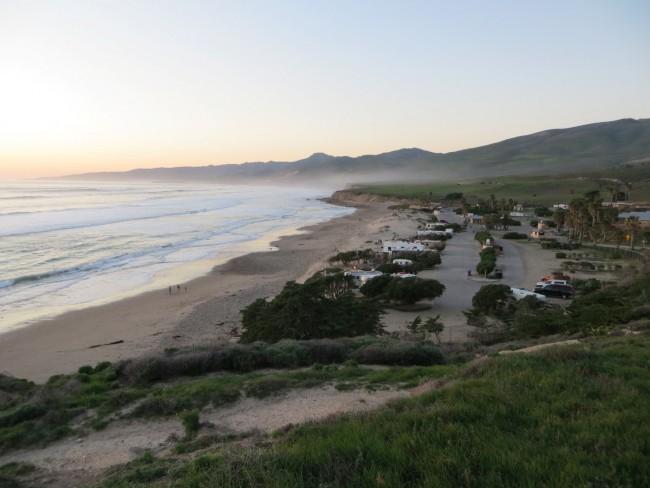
<point x="209" y="311"/>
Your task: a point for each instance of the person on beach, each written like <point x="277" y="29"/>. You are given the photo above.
<point x="178" y="288"/>
<point x="469" y="273"/>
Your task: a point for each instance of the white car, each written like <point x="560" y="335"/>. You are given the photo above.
<point x="521" y="293"/>
<point x="403" y="275"/>
<point x="551" y="282"/>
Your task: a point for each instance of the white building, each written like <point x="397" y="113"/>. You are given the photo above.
<point x="562" y="206"/>
<point x="403" y="262"/>
<point x="393" y="246"/>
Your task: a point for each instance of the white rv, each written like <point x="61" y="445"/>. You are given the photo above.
<point x="393" y="246"/>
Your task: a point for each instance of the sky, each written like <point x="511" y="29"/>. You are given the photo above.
<point x="113" y="85"/>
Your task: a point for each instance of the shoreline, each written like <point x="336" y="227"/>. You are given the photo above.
<point x="209" y="311"/>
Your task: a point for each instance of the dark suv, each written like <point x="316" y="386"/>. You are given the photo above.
<point x="557" y="291"/>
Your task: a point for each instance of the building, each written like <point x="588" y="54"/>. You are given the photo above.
<point x="403" y="262"/>
<point x="520" y="211"/>
<point x="393" y="246"/>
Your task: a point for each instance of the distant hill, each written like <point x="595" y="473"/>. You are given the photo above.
<point x="584" y="148"/>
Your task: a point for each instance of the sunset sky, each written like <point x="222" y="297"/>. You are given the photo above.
<point x="113" y="85"/>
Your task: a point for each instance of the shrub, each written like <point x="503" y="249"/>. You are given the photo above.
<point x="401" y="353"/>
<point x="482" y="236"/>
<point x="411" y="290"/>
<point x="351" y="256"/>
<point x="264" y="387"/>
<point x="543" y="212"/>
<point x="190" y="421"/>
<point x="560" y="255"/>
<point x="388" y="269"/>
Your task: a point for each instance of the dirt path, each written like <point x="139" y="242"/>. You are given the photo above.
<point x="79" y="460"/>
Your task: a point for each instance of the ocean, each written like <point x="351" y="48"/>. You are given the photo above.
<point x="70" y="245"/>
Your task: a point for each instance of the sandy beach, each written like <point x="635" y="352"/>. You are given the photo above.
<point x="208" y="311"/>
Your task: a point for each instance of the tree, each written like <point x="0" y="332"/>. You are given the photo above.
<point x="492" y="299"/>
<point x="416" y="326"/>
<point x="376" y="286"/>
<point x="559" y="217"/>
<point x="434" y="326"/>
<point x="309" y="311"/>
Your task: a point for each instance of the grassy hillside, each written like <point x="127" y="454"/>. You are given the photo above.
<point x="531" y="189"/>
<point x="571" y="416"/>
<point x="582" y="148"/>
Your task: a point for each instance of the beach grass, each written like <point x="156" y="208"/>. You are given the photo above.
<point x="571" y="416"/>
<point x="96" y="396"/>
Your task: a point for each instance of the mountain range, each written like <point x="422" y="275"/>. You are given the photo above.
<point x="589" y="147"/>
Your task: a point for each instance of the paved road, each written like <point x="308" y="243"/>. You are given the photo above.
<point x="460" y="255"/>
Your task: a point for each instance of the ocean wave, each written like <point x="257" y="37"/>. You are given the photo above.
<point x="158" y="251"/>
<point x="118" y="217"/>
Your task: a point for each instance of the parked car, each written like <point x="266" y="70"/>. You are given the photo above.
<point x="551" y="282"/>
<point x="557" y="291"/>
<point x="521" y="293"/>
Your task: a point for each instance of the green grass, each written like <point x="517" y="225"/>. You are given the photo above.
<point x="572" y="416"/>
<point x="102" y="398"/>
<point x="533" y="190"/>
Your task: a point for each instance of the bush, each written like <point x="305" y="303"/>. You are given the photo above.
<point x="543" y="212"/>
<point x="514" y="235"/>
<point x="401" y="353"/>
<point x="586" y="286"/>
<point x="482" y="236"/>
<point x="560" y="255"/>
<point x="488" y="261"/>
<point x="190" y="421"/>
<point x="411" y="290"/>
<point x="352" y="256"/>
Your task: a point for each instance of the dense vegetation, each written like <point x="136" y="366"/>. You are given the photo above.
<point x="571" y="416"/>
<point x="421" y="261"/>
<point x="402" y="290"/>
<point x="499" y="317"/>
<point x="38" y="414"/>
<point x="323" y="307"/>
